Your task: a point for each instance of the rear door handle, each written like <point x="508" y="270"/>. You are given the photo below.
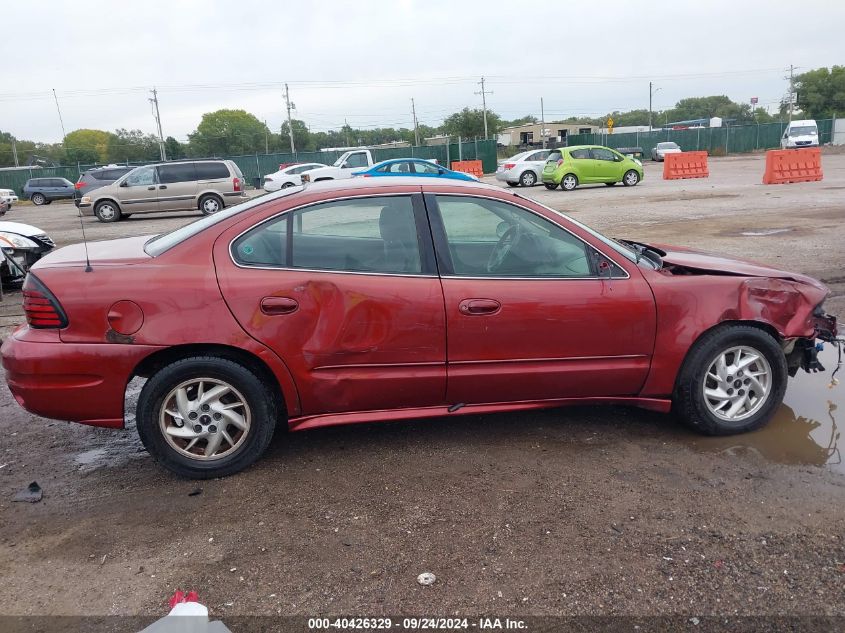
<point x="475" y="307"/>
<point x="278" y="305"/>
<point x="162" y="186"/>
<point x="151" y="188"/>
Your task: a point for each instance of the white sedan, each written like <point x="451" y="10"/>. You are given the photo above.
<point x="290" y="176"/>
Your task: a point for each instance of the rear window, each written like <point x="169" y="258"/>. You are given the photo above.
<point x="554" y="157"/>
<point x="211" y="171"/>
<point x="111" y="174"/>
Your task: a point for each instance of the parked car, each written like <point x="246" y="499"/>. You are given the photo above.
<point x="45" y="190"/>
<point x="803" y="133"/>
<point x="9" y="196"/>
<point x="353" y="301"/>
<point x="525" y="168"/>
<point x="289" y="176"/>
<point x="23" y="245"/>
<point x="204" y="185"/>
<point x="343" y="167"/>
<point x="98" y="177"/>
<point x="569" y="167"/>
<point x="412" y="167"/>
<point x="658" y="152"/>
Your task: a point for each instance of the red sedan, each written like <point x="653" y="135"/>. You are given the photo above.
<point x="360" y="300"/>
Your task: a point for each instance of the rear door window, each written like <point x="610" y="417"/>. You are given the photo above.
<point x="211" y="171"/>
<point x="179" y="172"/>
<point x="580" y="154"/>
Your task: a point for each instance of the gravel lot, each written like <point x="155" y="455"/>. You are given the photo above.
<point x="563" y="512"/>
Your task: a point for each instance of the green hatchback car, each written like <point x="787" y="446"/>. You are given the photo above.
<point x="569" y="167"/>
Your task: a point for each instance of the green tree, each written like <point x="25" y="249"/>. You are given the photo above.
<point x="301" y="137"/>
<point x="470" y="123"/>
<point x="88" y="146"/>
<point x="821" y="92"/>
<point x="706" y="108"/>
<point x="632" y="117"/>
<point x="174" y="148"/>
<point x="133" y="146"/>
<point x="528" y="118"/>
<point x="228" y="132"/>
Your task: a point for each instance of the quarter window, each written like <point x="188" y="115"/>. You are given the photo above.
<point x="489" y="238"/>
<point x="360" y="235"/>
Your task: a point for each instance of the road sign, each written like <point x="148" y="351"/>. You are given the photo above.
<point x="753" y="100"/>
<point x="609" y="125"/>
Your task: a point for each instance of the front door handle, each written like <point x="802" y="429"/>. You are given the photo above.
<point x="162" y="186"/>
<point x="474" y="307"/>
<point x="272" y="306"/>
<point x="151" y="188"/>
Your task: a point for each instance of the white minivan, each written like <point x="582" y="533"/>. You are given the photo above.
<point x="800" y="134"/>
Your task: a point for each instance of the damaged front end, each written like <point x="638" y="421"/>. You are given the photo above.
<point x="803" y="353"/>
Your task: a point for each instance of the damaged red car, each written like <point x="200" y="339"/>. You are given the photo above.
<point x="360" y="301"/>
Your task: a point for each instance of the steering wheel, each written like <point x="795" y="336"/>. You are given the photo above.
<point x="504" y="246"/>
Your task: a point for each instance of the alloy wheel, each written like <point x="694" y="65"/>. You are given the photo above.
<point x="205" y="419"/>
<point x="737" y="383"/>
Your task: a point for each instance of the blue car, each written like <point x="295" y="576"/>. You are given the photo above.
<point x="412" y="167"/>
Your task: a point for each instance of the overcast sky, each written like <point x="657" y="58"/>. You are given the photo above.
<point x="363" y="61"/>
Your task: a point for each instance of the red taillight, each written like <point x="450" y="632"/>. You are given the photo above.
<point x="236" y="183"/>
<point x="509" y="166"/>
<point x="559" y="162"/>
<point x="42" y="309"/>
<point x="78" y="185"/>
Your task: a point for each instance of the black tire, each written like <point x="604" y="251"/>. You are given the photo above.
<point x="250" y="447"/>
<point x="48" y="201"/>
<point x="569" y="182"/>
<point x="210" y="204"/>
<point x="631" y="178"/>
<point x="126" y="215"/>
<point x="689" y="401"/>
<point x="107" y="211"/>
<point x="287" y="185"/>
<point x="38" y="199"/>
<point x="528" y="178"/>
<point x="513" y="184"/>
<point x="550" y="186"/>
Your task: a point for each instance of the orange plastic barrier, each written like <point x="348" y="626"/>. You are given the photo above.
<point x="793" y="165"/>
<point x="685" y="165"/>
<point x="468" y="167"/>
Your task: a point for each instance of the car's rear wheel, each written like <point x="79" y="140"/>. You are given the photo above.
<point x="732" y="381"/>
<point x="38" y="199"/>
<point x="107" y="211"/>
<point x="210" y="204"/>
<point x="631" y="178"/>
<point x="205" y="416"/>
<point x="569" y="182"/>
<point x="550" y="185"/>
<point x="528" y="178"/>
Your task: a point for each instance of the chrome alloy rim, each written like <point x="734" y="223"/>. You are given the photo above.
<point x="632" y="178"/>
<point x="569" y="182"/>
<point x="211" y="206"/>
<point x="737" y="383"/>
<point x="205" y="419"/>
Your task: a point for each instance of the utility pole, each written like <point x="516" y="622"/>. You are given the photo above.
<point x="154" y="101"/>
<point x="791" y="90"/>
<point x="266" y="145"/>
<point x="649" y="107"/>
<point x="484" y="94"/>
<point x="416" y="125"/>
<point x="59" y="110"/>
<point x="15" y="151"/>
<point x="542" y="123"/>
<point x="290" y="122"/>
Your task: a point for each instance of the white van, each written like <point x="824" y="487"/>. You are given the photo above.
<point x="800" y="134"/>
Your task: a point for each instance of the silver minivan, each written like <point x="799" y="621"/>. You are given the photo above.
<point x="203" y="185"/>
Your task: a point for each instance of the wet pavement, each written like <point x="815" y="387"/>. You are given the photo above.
<point x="807" y="428"/>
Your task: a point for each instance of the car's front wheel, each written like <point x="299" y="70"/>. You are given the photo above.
<point x="287" y="185"/>
<point x="631" y="178"/>
<point x="732" y="381"/>
<point x="107" y="211"/>
<point x="38" y="199"/>
<point x="205" y="416"/>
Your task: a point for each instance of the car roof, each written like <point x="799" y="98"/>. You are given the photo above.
<point x="420" y="184"/>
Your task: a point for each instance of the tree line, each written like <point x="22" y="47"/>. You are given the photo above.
<point x="819" y="94"/>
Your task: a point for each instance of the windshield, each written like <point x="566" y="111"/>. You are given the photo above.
<point x="667" y="146"/>
<point x="164" y="242"/>
<point x="804" y="130"/>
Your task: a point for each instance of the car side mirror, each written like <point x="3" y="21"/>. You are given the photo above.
<point x="124" y="184"/>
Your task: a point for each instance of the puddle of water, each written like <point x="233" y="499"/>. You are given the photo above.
<point x="764" y="232"/>
<point x="806" y="429"/>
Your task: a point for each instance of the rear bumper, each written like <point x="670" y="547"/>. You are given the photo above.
<point x="508" y="176"/>
<point x="78" y="382"/>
